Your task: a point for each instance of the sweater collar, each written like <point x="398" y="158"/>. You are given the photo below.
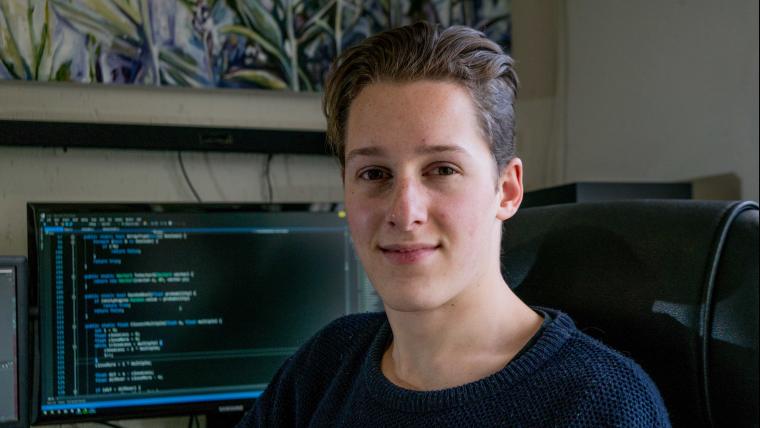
<point x="554" y="336"/>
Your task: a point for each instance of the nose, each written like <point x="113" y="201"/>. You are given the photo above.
<point x="408" y="208"/>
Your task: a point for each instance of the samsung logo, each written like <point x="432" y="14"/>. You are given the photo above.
<point x="235" y="408"/>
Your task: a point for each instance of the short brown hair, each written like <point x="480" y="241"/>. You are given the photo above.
<point x="423" y="51"/>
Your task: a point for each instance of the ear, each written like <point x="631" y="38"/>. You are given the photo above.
<point x="510" y="189"/>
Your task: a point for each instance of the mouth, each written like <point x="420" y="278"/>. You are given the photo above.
<point x="404" y="254"/>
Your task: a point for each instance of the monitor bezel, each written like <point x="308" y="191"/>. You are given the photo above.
<point x="210" y="408"/>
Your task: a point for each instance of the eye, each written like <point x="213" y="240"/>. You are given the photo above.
<point x="443" y="170"/>
<point x="373" y="174"/>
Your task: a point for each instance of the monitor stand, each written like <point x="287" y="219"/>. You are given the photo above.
<point x="223" y="420"/>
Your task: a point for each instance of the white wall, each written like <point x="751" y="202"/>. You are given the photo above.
<point x="538" y="29"/>
<point x="160" y="105"/>
<point x="662" y="90"/>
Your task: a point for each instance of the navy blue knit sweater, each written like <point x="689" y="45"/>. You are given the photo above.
<point x="565" y="378"/>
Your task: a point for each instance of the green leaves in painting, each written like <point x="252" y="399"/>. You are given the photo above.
<point x="271" y="44"/>
<point x="25" y="39"/>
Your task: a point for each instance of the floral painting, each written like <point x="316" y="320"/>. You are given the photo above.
<point x="269" y="44"/>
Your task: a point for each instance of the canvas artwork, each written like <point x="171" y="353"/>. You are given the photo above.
<point x="264" y="44"/>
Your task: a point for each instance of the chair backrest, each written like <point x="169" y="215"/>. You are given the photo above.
<point x="671" y="283"/>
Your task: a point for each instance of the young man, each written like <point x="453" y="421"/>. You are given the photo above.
<point x="422" y="121"/>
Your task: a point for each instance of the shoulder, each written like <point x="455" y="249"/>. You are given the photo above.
<point x="610" y="385"/>
<point x="343" y="341"/>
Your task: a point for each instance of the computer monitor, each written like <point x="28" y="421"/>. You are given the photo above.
<point x="14" y="341"/>
<point x="148" y="309"/>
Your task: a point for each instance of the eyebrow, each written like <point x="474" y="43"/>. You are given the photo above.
<point x="424" y="150"/>
<point x="365" y="151"/>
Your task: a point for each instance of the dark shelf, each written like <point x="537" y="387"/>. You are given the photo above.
<point x="160" y="137"/>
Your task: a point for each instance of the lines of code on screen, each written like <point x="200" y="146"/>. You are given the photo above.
<point x="158" y="304"/>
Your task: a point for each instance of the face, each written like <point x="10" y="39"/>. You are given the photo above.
<point x="423" y="198"/>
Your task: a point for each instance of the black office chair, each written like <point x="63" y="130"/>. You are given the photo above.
<point x="671" y="283"/>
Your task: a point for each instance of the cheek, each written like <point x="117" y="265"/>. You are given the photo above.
<point x="356" y="226"/>
<point x="462" y="220"/>
<point x="360" y="218"/>
<point x="467" y="217"/>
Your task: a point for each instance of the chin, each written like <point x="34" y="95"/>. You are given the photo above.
<point x="405" y="296"/>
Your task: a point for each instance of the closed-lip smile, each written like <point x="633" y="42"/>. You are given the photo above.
<point x="407" y="253"/>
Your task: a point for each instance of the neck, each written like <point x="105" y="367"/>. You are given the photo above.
<point x="469" y="338"/>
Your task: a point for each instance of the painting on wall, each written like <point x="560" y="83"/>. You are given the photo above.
<point x="263" y="44"/>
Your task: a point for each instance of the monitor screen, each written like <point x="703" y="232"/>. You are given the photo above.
<point x="181" y="308"/>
